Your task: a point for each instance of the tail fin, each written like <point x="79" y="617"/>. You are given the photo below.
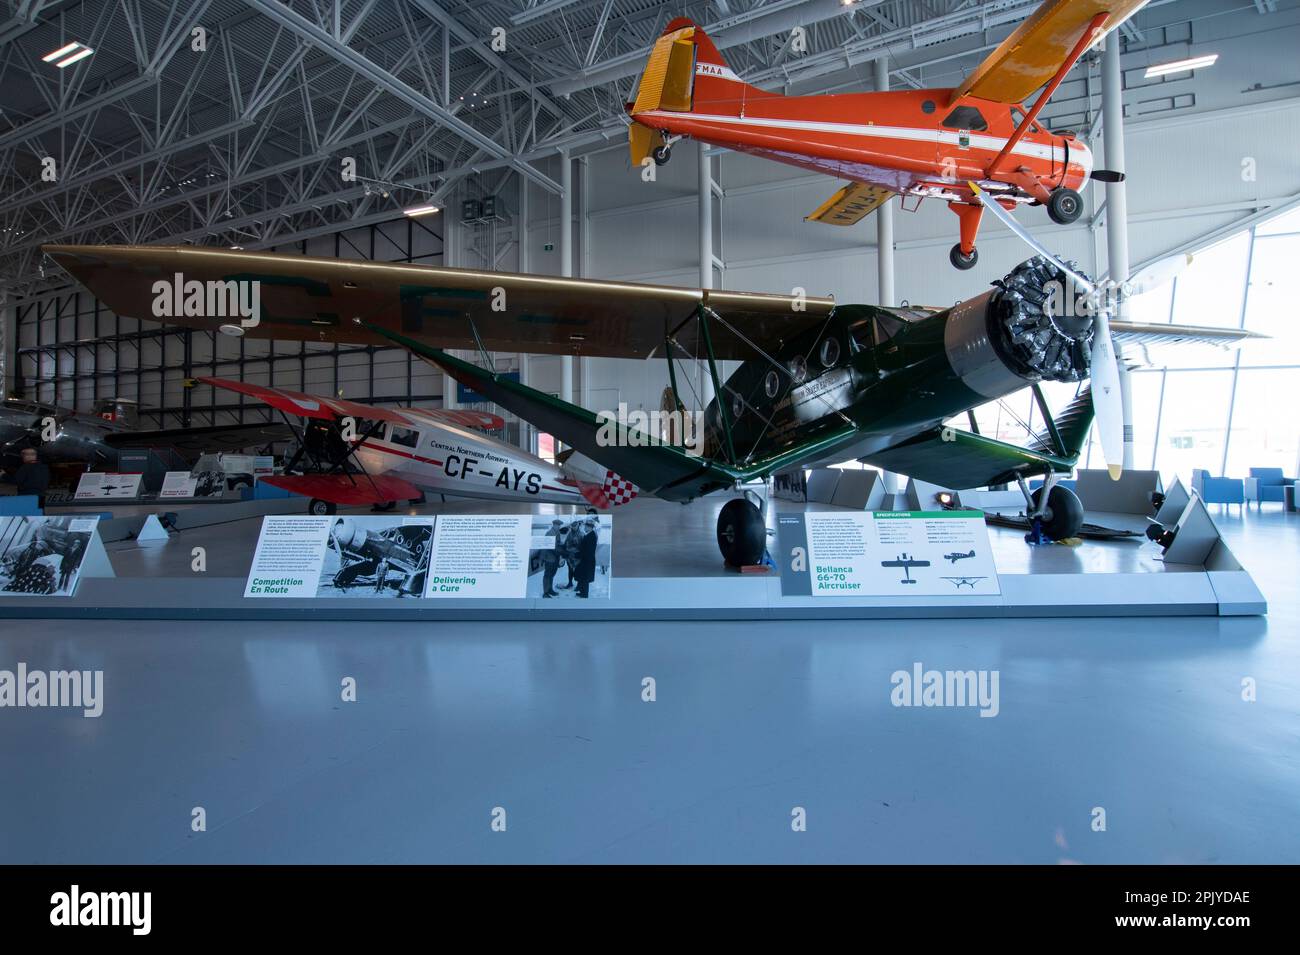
<point x="612" y="492"/>
<point x="685" y="74"/>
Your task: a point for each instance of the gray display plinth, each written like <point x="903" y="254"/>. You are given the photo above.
<point x="1190" y="593"/>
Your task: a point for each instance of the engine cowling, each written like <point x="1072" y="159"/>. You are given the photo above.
<point x="1033" y="326"/>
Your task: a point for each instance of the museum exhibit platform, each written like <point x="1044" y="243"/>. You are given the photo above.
<point x="665" y="566"/>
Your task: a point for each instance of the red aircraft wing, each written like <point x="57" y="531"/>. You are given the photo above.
<point x="347" y="490"/>
<point x="310" y="406"/>
<point x="315" y="406"/>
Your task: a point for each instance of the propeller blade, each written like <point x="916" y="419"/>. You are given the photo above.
<point x="1106" y="401"/>
<point x="1158" y="274"/>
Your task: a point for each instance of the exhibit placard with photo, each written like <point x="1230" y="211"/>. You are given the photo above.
<point x="43" y="556"/>
<point x="886" y="553"/>
<point x="363" y="556"/>
<point x="571" y="557"/>
<point x="178" y="484"/>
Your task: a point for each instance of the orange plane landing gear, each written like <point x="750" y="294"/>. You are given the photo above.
<point x="963" y="255"/>
<point x="1064" y="206"/>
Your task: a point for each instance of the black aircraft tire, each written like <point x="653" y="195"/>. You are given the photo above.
<point x="742" y="533"/>
<point x="1064" y="206"/>
<point x="961" y="260"/>
<point x="319" y="508"/>
<point x="1064" y="517"/>
<point x="661" y="155"/>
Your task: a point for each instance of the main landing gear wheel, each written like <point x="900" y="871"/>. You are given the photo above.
<point x="319" y="508"/>
<point x="742" y="533"/>
<point x="1064" y="206"/>
<point x="1064" y="515"/>
<point x="961" y="260"/>
<point x="661" y="154"/>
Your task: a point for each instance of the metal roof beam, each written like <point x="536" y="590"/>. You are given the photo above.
<point x="383" y="78"/>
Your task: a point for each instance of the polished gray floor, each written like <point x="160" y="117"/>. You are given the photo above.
<point x="1144" y="719"/>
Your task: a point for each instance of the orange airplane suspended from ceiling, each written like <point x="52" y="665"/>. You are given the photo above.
<point x="923" y="144"/>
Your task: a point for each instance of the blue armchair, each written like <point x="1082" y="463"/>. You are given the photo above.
<point x="1222" y="490"/>
<point x="1267" y="484"/>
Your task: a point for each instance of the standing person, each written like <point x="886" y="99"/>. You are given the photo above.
<point x="32" y="477"/>
<point x="586" y="571"/>
<point x="71" y="558"/>
<point x="562" y="555"/>
<point x="551" y="559"/>
<point x="572" y="543"/>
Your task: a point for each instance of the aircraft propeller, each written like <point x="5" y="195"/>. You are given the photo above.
<point x="1157" y="274"/>
<point x="1106" y="401"/>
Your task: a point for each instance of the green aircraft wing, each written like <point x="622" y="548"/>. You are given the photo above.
<point x="960" y="459"/>
<point x="667" y="471"/>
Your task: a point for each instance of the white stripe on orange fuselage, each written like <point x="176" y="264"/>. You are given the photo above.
<point x="885" y="139"/>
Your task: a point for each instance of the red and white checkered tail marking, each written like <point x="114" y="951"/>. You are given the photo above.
<point x="619" y="490"/>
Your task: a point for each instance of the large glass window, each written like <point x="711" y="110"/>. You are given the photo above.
<point x="1263" y="434"/>
<point x="1273" y="303"/>
<point x="1193" y="422"/>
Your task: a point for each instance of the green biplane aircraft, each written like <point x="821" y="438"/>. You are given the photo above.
<point x="818" y="383"/>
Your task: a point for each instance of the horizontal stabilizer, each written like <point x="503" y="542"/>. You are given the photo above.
<point x="1143" y="343"/>
<point x="642" y="141"/>
<point x="850" y="204"/>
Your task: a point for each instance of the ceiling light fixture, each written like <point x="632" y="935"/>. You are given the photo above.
<point x="65" y="56"/>
<point x="417" y="211"/>
<point x="1181" y="66"/>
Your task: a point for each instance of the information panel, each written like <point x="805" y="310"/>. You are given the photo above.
<point x="886" y="553"/>
<point x="178" y="484"/>
<point x="502" y="556"/>
<point x="107" y="486"/>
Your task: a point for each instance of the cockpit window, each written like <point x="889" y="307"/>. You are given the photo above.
<point x="966" y="117"/>
<point x="404" y="436"/>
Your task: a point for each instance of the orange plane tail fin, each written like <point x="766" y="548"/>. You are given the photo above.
<point x="685" y="73"/>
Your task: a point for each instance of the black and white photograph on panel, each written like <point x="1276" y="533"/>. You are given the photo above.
<point x="376" y="557"/>
<point x="41" y="556"/>
<point x="571" y="557"/>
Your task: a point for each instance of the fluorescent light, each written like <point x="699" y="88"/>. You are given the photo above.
<point x="1181" y="66"/>
<point x="415" y="211"/>
<point x="65" y="56"/>
<point x="60" y="53"/>
<point x="81" y="55"/>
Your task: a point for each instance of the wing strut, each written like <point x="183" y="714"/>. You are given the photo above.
<point x="702" y="313"/>
<point x="1048" y="421"/>
<point x="1085" y="41"/>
